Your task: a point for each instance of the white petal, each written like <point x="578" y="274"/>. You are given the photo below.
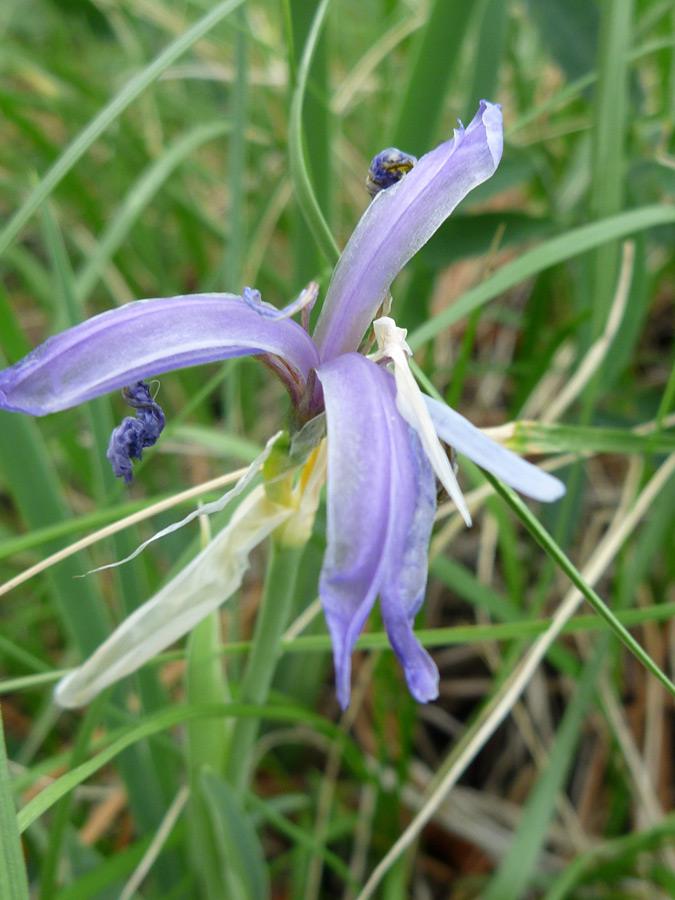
<point x="410" y="403"/>
<point x="205" y="583"/>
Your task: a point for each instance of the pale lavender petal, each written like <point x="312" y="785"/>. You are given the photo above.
<point x="399" y="221"/>
<point x="380" y="507"/>
<point x="145" y="338"/>
<point x="459" y="433"/>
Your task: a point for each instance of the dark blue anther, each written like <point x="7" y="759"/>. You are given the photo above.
<point x="129" y="438"/>
<point x="388" y="167"/>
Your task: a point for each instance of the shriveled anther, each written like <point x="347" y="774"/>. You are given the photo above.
<point x="130" y="438"/>
<point x="388" y="167"/>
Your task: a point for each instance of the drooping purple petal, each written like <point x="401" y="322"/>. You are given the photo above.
<point x="142" y="339"/>
<point x="399" y="221"/>
<point x="404" y="578"/>
<point x="380" y="508"/>
<point x="468" y="440"/>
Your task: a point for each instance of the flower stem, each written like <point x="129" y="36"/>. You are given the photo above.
<point x="272" y="618"/>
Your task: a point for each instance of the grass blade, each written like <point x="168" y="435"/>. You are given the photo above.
<point x="109" y="113"/>
<point x="557" y="250"/>
<point x="300" y="171"/>
<point x="13" y="878"/>
<point x="439" y="51"/>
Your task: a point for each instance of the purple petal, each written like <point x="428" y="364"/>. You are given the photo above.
<point x="380" y="508"/>
<point x="142" y="339"/>
<point x="405" y="574"/>
<point x="399" y="221"/>
<point x="459" y="433"/>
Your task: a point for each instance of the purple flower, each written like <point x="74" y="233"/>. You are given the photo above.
<point x="383" y="434"/>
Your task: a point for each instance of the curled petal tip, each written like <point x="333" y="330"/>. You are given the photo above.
<point x="491" y="117"/>
<point x="423" y="683"/>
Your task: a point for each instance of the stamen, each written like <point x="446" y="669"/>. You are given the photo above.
<point x="131" y="437"/>
<point x="388" y="167"/>
<point x="409" y="402"/>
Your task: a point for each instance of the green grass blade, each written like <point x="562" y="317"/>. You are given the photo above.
<point x="13" y="878"/>
<point x="609" y="138"/>
<point x="563" y="562"/>
<point x="133" y="89"/>
<point x="535" y="437"/>
<point x="487" y="55"/>
<point x="207" y="741"/>
<point x="316" y="135"/>
<point x="41" y="504"/>
<point x="512" y="878"/>
<point x="300" y="170"/>
<point x="233" y="262"/>
<point x="438" y="53"/>
<point x="138" y="198"/>
<point x="241" y="855"/>
<point x="623" y="848"/>
<point x="558" y="249"/>
<point x="169" y="718"/>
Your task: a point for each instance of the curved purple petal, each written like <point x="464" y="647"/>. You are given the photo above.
<point x="380" y="509"/>
<point x="468" y="440"/>
<point x="145" y="338"/>
<point x="404" y="578"/>
<point x="399" y="221"/>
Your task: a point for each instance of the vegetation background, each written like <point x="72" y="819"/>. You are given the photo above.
<point x="147" y="151"/>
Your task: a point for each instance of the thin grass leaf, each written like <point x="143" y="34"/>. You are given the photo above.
<point x="487" y="54"/>
<point x="13" y="877"/>
<point x="514" y="874"/>
<point x="60" y="819"/>
<point x="299" y="166"/>
<point x="137" y="199"/>
<point x="160" y="721"/>
<point x="558" y="249"/>
<point x="267" y="811"/>
<point x="233" y="262"/>
<point x="563" y="562"/>
<point x="316" y="137"/>
<point x="40" y="502"/>
<point x="109" y="872"/>
<point x="535" y="437"/>
<point x="133" y="89"/>
<point x="241" y="856"/>
<point x="623" y="849"/>
<point x="439" y="51"/>
<point x="207" y="741"/>
<point x="608" y="143"/>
